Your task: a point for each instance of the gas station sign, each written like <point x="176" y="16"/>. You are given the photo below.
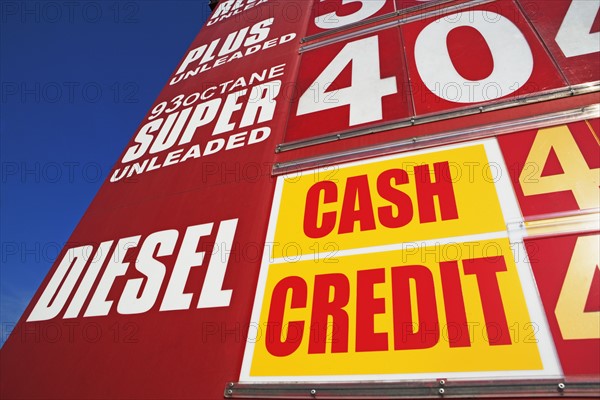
<point x="448" y="240"/>
<point x="399" y="267"/>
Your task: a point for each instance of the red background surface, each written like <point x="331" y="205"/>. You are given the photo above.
<point x="550" y="258"/>
<point x="546" y="17"/>
<point x="338" y="7"/>
<point x="515" y="148"/>
<point x="170" y="354"/>
<point x="395" y="106"/>
<point x="194" y="353"/>
<point x="471" y="56"/>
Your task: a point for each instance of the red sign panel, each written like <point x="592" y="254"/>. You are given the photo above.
<point x="331" y="14"/>
<point x="568" y="279"/>
<point x="571" y="30"/>
<point x="555" y="169"/>
<point x="230" y="92"/>
<point x="475" y="56"/>
<point x="151" y="296"/>
<point x="155" y="286"/>
<point x="350" y="84"/>
<point x="346" y="85"/>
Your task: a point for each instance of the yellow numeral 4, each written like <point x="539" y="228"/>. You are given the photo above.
<point x="577" y="178"/>
<point x="573" y="321"/>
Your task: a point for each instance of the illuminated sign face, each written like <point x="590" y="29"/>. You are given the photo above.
<point x="401" y="267"/>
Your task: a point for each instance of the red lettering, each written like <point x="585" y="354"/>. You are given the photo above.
<point x="485" y="270"/>
<point x="366" y="308"/>
<point x="405" y="334"/>
<point x="311" y="210"/>
<point x="274" y="344"/>
<point x="404" y="209"/>
<point x="454" y="304"/>
<point x="323" y="308"/>
<point x="357" y="188"/>
<point x="415" y="316"/>
<point x="442" y="188"/>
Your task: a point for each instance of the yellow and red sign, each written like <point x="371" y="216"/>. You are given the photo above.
<point x="397" y="312"/>
<point x="566" y="271"/>
<point x="399" y="266"/>
<point x="388" y="201"/>
<point x="556" y="172"/>
<point x="555" y="169"/>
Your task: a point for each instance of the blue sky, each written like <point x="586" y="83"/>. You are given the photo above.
<point x="76" y="80"/>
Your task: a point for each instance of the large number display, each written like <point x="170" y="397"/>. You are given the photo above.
<point x="441" y="53"/>
<point x="568" y="279"/>
<point x="333" y="81"/>
<point x="471" y="258"/>
<point x="555" y="169"/>
<point x="555" y="172"/>
<point x="444" y="61"/>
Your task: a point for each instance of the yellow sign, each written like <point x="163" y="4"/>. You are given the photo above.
<point x="449" y="308"/>
<point x="402" y="199"/>
<point x="397" y="267"/>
